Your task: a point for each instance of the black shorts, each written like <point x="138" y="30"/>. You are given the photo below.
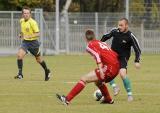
<point x="123" y="62"/>
<point x="31" y="46"/>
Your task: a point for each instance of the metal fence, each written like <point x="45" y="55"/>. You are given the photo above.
<point x="72" y="30"/>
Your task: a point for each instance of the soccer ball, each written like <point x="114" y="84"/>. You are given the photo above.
<point x="97" y="95"/>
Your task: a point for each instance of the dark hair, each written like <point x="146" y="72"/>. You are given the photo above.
<point x="27" y="8"/>
<point x="125" y="19"/>
<point x="90" y="34"/>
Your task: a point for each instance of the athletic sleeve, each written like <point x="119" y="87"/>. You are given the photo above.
<point x="94" y="53"/>
<point x="20" y="21"/>
<point x="136" y="47"/>
<point x="35" y="26"/>
<point x="108" y="35"/>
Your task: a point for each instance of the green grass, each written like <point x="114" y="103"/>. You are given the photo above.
<point x="34" y="95"/>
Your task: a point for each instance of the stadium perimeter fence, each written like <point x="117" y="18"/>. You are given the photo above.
<point x="72" y="28"/>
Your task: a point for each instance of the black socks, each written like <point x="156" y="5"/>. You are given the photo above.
<point x="20" y="65"/>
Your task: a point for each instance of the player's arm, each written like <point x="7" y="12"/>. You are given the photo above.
<point x="97" y="58"/>
<point x="137" y="50"/>
<point x="100" y="65"/>
<point x="108" y="35"/>
<point x="21" y="33"/>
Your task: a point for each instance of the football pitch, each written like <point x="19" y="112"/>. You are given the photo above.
<point x="34" y="95"/>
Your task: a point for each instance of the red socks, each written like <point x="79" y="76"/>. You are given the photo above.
<point x="80" y="86"/>
<point x="105" y="92"/>
<point x="75" y="90"/>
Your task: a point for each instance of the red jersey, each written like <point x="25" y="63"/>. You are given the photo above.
<point x="102" y="52"/>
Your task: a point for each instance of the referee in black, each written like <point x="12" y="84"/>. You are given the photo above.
<point x="123" y="40"/>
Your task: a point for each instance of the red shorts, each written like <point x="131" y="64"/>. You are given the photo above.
<point x="110" y="71"/>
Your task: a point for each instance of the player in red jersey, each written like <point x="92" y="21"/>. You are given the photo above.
<point x="108" y="68"/>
